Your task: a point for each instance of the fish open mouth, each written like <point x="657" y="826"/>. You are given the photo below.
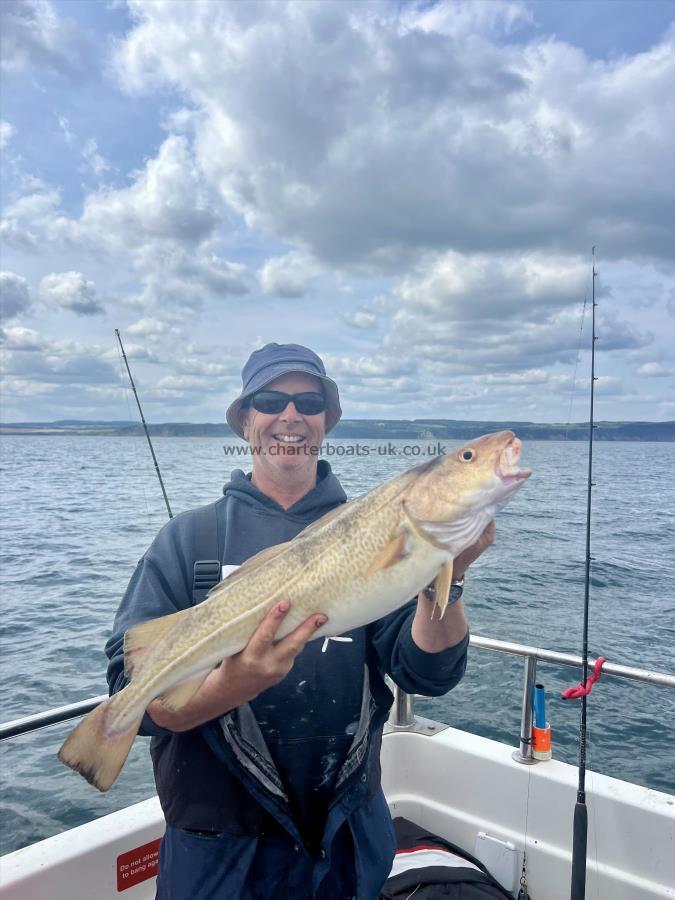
<point x="507" y="467"/>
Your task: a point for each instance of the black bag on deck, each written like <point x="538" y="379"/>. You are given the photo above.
<point x="435" y="869"/>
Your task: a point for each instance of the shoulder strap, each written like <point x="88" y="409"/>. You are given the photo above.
<point x="206" y="573"/>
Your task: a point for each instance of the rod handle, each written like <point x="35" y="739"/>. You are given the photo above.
<point x="579" y="846"/>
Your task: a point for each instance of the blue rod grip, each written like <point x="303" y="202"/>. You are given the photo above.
<point x="539" y="706"/>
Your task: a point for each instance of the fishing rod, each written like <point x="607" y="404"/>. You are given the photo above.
<point x="580" y="828"/>
<point x="145" y="427"/>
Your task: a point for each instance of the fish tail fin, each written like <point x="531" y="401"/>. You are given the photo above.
<point x="94" y="750"/>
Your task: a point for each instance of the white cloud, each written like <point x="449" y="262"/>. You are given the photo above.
<point x="19" y="338"/>
<point x="439" y="177"/>
<point x="506" y="321"/>
<point x="458" y="287"/>
<point x="414" y="130"/>
<point x="533" y="376"/>
<point x="32" y="218"/>
<point x="148" y="327"/>
<point x="64" y="125"/>
<point x="71" y="291"/>
<point x="185" y="383"/>
<point x="133" y="351"/>
<point x="655" y="370"/>
<point x="465" y="17"/>
<point x="164" y="210"/>
<point x="213" y="273"/>
<point x="288" y="276"/>
<point x="163" y="225"/>
<point x="98" y="164"/>
<point x="33" y="357"/>
<point x="7" y="131"/>
<point x="19" y="388"/>
<point x="362" y="319"/>
<point x="608" y="384"/>
<point x="513" y="346"/>
<point x="166" y="202"/>
<point x="14" y="295"/>
<point x="12" y="235"/>
<point x="34" y="35"/>
<point x="194" y="366"/>
<point x="380" y="365"/>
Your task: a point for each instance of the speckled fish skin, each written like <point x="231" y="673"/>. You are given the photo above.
<point x="340" y="566"/>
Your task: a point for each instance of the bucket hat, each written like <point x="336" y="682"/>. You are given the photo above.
<point x="274" y="360"/>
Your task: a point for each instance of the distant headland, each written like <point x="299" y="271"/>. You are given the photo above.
<point x="390" y="429"/>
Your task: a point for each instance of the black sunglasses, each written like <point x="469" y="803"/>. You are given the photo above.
<point x="308" y="403"/>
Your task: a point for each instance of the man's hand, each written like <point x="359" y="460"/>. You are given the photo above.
<point x="471" y="554"/>
<point x="262" y="663"/>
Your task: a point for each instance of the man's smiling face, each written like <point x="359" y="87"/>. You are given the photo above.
<point x="287" y="438"/>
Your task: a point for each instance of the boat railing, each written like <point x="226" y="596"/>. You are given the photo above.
<point x="35" y="722"/>
<point x="402" y="716"/>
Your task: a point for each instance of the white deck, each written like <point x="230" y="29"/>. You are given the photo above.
<point x="455" y="784"/>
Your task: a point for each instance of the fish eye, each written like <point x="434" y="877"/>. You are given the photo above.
<point x="467" y="455"/>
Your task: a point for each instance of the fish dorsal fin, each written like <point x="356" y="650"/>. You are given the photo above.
<point x="262" y="556"/>
<point x="245" y="569"/>
<point x="141" y="638"/>
<point x="389" y="555"/>
<point x="442" y="585"/>
<point x="333" y="514"/>
<point x="181" y="694"/>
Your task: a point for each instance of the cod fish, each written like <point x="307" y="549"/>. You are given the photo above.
<point x="356" y="564"/>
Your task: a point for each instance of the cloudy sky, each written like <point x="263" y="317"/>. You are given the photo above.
<point x="410" y="188"/>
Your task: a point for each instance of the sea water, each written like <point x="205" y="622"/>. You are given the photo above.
<point x="78" y="512"/>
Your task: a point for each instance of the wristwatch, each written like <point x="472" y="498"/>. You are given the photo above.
<point x="456" y="591"/>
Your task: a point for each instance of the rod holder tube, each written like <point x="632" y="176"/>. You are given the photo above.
<point x="402" y="712"/>
<point x="524" y="752"/>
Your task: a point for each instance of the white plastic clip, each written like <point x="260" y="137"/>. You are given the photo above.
<point x="345" y="640"/>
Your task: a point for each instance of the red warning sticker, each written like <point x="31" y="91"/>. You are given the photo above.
<point x="137" y="865"/>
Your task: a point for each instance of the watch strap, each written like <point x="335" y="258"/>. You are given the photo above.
<point x="456" y="591"/>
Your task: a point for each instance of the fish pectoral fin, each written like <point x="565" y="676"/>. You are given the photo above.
<point x="389" y="555"/>
<point x="141" y="638"/>
<point x="442" y="585"/>
<point x="181" y="694"/>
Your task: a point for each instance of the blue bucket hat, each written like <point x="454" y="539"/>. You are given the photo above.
<point x="274" y="360"/>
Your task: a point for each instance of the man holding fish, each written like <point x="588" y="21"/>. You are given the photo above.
<point x="266" y="743"/>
